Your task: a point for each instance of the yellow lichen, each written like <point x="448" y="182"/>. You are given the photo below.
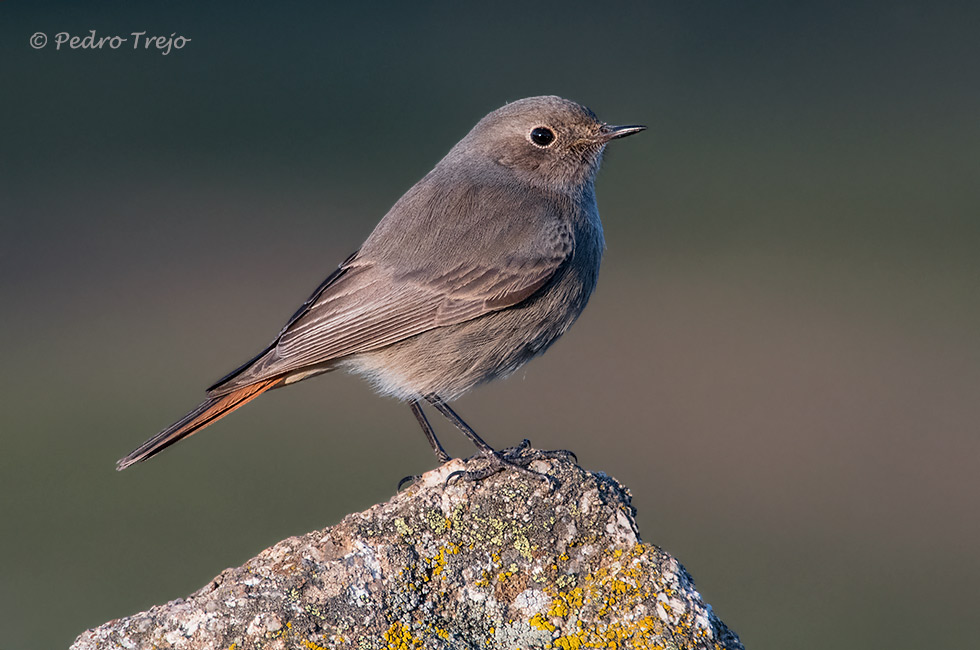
<point x="438" y="524"/>
<point x="399" y="637"/>
<point x="624" y="586"/>
<point x="403" y="528"/>
<point x="523" y="546"/>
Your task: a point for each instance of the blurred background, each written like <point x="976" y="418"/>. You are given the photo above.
<point x="781" y="360"/>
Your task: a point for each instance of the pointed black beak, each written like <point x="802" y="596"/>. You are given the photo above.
<point x="607" y="132"/>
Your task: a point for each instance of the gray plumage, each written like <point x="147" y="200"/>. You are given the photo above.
<point x="477" y="269"/>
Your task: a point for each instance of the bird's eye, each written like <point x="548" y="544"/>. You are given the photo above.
<point x="542" y="136"/>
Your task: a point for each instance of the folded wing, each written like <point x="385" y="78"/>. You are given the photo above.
<point x="390" y="292"/>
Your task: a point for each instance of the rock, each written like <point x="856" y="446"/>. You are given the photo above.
<point x="507" y="562"/>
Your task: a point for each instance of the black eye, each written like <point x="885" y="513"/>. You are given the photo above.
<point x="542" y="136"/>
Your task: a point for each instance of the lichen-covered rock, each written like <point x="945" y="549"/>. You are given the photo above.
<point x="506" y="562"/>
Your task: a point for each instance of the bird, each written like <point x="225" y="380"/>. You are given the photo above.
<point x="478" y="268"/>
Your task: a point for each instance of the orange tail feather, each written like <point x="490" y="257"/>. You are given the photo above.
<point x="211" y="410"/>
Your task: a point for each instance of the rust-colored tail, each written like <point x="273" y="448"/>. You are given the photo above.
<point x="211" y="410"/>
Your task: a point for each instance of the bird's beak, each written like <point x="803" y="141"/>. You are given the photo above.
<point x="608" y="132"/>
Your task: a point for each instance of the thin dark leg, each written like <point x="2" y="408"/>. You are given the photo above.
<point x="430" y="435"/>
<point x="462" y="426"/>
<point x="517" y="458"/>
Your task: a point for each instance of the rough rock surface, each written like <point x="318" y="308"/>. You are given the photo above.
<point x="501" y="563"/>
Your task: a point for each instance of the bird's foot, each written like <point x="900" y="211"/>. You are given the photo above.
<point x="521" y="456"/>
<point x="411" y="478"/>
<point x="517" y="458"/>
<point x="443" y="459"/>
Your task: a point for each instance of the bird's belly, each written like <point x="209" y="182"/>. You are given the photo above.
<point x="448" y="361"/>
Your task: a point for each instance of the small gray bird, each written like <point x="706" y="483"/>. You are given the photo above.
<point x="476" y="270"/>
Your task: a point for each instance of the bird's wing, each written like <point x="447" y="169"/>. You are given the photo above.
<point x="417" y="280"/>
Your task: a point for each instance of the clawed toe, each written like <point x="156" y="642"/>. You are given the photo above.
<point x="520" y="455"/>
<point x="514" y="452"/>
<point x="475" y="475"/>
<point x="408" y="479"/>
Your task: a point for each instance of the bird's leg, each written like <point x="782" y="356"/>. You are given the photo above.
<point x="430" y="435"/>
<point x="468" y="431"/>
<point x="513" y="457"/>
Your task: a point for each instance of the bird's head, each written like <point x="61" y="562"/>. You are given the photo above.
<point x="547" y="141"/>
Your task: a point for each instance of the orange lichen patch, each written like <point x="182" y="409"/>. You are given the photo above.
<point x="437" y="563"/>
<point x="540" y="622"/>
<point x="399" y="637"/>
<point x="484" y="580"/>
<point x="565" y="603"/>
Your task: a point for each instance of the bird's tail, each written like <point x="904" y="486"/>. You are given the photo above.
<point x="211" y="410"/>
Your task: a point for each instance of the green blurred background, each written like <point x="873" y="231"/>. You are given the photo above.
<point x="782" y="358"/>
